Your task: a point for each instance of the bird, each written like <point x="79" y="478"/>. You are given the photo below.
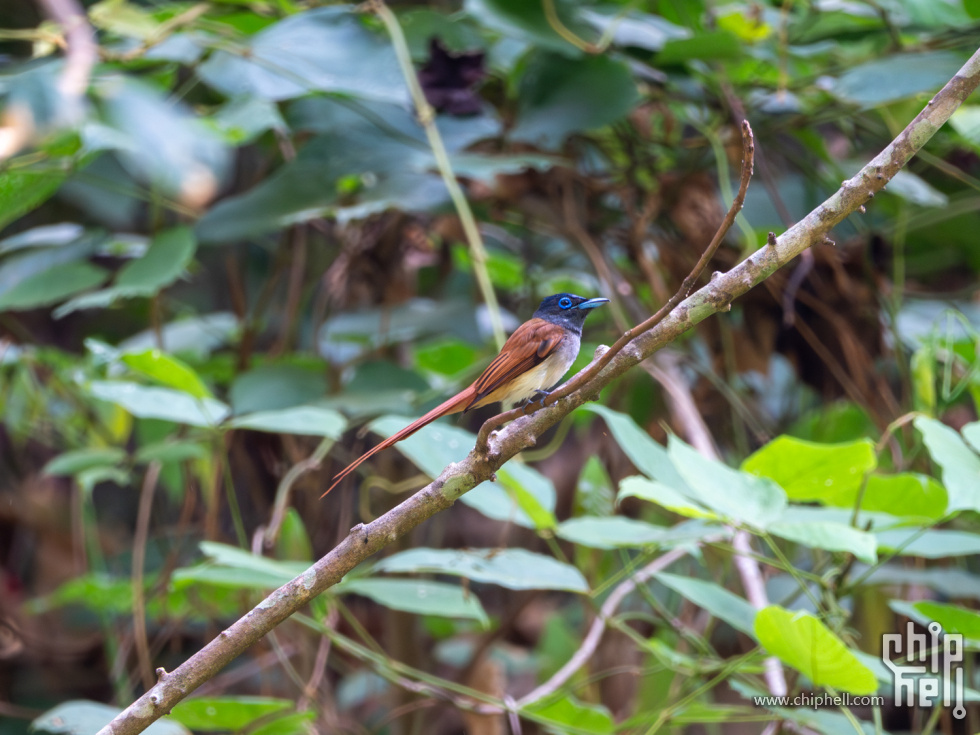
<point x="532" y="361"/>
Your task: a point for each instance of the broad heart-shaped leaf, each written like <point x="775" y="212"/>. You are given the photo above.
<point x="559" y="96"/>
<point x="713" y="598"/>
<point x="928" y="544"/>
<point x="900" y="75"/>
<point x="830" y="536"/>
<point x="810" y="471"/>
<point x="516" y="569"/>
<point x="757" y="501"/>
<point x="304" y="420"/>
<point x="432" y="448"/>
<point x="230" y="714"/>
<point x="806" y="644"/>
<point x="952" y="618"/>
<point x="160" y="403"/>
<point x="418" y="596"/>
<point x="168" y="371"/>
<point x="568" y="714"/>
<point x="527" y="22"/>
<point x="164" y="262"/>
<point x="907" y="494"/>
<point x="663" y="495"/>
<point x="618" y="532"/>
<point x="961" y="466"/>
<point x="71" y="463"/>
<point x="310" y="52"/>
<point x="82" y="716"/>
<point x="649" y="457"/>
<point x="52" y="286"/>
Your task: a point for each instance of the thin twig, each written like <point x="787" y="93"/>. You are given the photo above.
<point x="748" y="153"/>
<point x="139" y="558"/>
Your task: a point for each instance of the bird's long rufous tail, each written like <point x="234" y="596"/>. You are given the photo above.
<point x="457" y="403"/>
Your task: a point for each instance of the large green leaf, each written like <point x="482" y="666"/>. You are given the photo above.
<point x="619" y="532"/>
<point x="713" y="598"/>
<point x="52" y="286"/>
<point x="961" y="466"/>
<point x="516" y="569"/>
<point x="663" y="495"/>
<point x="167" y="370"/>
<point x="806" y="644"/>
<point x="306" y="420"/>
<point x="25" y="189"/>
<point x="79" y="716"/>
<point x="953" y="618"/>
<point x="559" y="96"/>
<point x="888" y="79"/>
<point x="906" y="494"/>
<point x="417" y="596"/>
<point x="78" y="460"/>
<point x="526" y="21"/>
<point x="160" y="403"/>
<point x="810" y="471"/>
<point x="757" y="501"/>
<point x="830" y="536"/>
<point x="312" y="51"/>
<point x="164" y="262"/>
<point x="649" y="457"/>
<point x="227" y="713"/>
<point x="930" y="544"/>
<point x="568" y="714"/>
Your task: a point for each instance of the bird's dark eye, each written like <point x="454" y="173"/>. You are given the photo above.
<point x="565" y="302"/>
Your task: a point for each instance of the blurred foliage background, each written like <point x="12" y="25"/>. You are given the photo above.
<point x="234" y="249"/>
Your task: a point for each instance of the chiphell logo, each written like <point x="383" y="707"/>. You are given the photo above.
<point x="927" y="668"/>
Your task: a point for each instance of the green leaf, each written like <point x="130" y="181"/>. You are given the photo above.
<point x="419" y="597"/>
<point x="22" y="190"/>
<point x="806" y="644"/>
<point x="830" y="536"/>
<point x="619" y="532"/>
<point x="227" y="713"/>
<point x="559" y="96"/>
<point x="233" y="567"/>
<point x="906" y="494"/>
<point x="649" y="457"/>
<point x="71" y="463"/>
<point x="713" y="598"/>
<point x="663" y="495"/>
<point x="80" y="716"/>
<point x="171" y="451"/>
<point x="303" y="420"/>
<point x="961" y="466"/>
<point x="308" y="52"/>
<point x="709" y="45"/>
<point x="526" y="21"/>
<point x="971" y="432"/>
<point x="953" y="618"/>
<point x="811" y="471"/>
<point x="52" y="286"/>
<point x="757" y="501"/>
<point x="197" y="336"/>
<point x="898" y="76"/>
<point x="928" y="544"/>
<point x="445" y="356"/>
<point x="161" y="403"/>
<point x="123" y="19"/>
<point x="277" y="386"/>
<point x="516" y="569"/>
<point x="168" y="371"/>
<point x="635" y="29"/>
<point x="165" y="261"/>
<point x="569" y="714"/>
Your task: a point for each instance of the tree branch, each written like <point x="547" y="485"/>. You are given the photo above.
<point x="460" y="477"/>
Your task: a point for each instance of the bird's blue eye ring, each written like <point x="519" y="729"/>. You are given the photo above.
<point x="565" y="302"/>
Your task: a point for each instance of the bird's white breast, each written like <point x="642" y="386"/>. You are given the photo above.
<point x="543" y="376"/>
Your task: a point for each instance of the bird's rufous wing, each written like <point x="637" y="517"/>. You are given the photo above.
<point x="527" y="347"/>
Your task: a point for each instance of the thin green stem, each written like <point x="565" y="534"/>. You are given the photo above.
<point x="427" y="117"/>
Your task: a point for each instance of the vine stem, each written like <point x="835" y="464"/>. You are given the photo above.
<point x="427" y="117"/>
<point x="479" y="465"/>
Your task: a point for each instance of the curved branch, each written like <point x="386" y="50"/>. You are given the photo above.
<point x="460" y="477"/>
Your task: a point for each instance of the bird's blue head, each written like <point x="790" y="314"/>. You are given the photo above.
<point x="567" y="309"/>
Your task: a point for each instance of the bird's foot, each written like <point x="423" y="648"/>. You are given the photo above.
<point x="538" y="397"/>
